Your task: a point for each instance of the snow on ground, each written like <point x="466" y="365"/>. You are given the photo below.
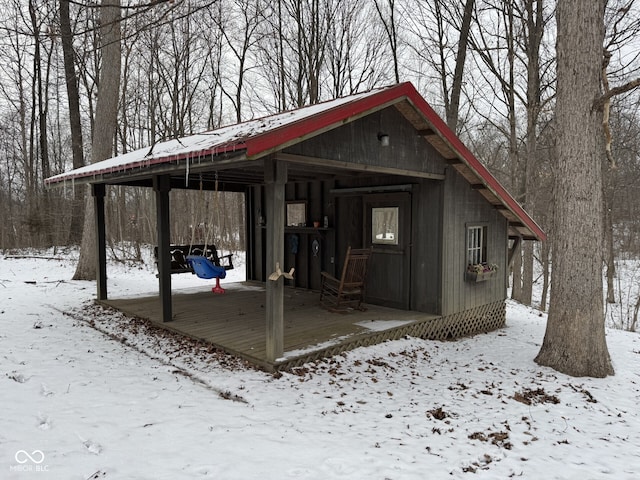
<point x="90" y="394"/>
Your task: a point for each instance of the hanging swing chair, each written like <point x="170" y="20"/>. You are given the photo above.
<point x="201" y="259"/>
<point x="205" y="262"/>
<point x="205" y="268"/>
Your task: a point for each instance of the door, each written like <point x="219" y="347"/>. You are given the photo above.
<point x="387" y="228"/>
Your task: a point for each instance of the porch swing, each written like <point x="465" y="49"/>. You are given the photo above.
<point x="205" y="262"/>
<point x="201" y="259"/>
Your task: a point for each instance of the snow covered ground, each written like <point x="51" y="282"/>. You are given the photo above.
<point x="87" y="394"/>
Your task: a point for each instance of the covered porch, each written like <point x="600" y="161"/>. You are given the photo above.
<point x="376" y="170"/>
<point x="236" y="323"/>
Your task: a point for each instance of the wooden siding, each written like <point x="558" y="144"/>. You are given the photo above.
<point x="440" y="213"/>
<point x="426" y="247"/>
<point x="462" y="205"/>
<point x="357" y="142"/>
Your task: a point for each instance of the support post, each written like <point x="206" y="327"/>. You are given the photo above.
<point x="275" y="177"/>
<point x="98" y="191"/>
<point x="162" y="186"/>
<point x="514" y="248"/>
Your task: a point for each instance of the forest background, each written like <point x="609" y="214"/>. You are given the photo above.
<point x="488" y="67"/>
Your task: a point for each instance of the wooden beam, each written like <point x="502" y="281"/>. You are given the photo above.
<point x="373" y="189"/>
<point x="275" y="178"/>
<point x="513" y="249"/>
<point x="338" y="164"/>
<point x="162" y="186"/>
<point x="426" y="131"/>
<point x="98" y="191"/>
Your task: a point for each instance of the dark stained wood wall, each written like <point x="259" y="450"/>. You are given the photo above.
<point x="441" y="210"/>
<point x="463" y="205"/>
<point x="427" y="247"/>
<point x="357" y="142"/>
<point x="307" y="265"/>
<point x="346" y="228"/>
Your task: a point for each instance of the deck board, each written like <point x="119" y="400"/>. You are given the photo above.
<point x="236" y="322"/>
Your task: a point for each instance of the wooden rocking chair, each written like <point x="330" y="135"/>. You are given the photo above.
<point x="347" y="292"/>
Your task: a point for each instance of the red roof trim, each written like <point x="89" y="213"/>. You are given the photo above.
<point x="276" y="137"/>
<point x="340" y="114"/>
<point x="473" y="162"/>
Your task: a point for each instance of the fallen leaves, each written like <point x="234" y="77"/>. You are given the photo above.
<point x="535" y="397"/>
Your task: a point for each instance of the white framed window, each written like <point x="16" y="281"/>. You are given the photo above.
<point x="476" y="244"/>
<point x="384" y="225"/>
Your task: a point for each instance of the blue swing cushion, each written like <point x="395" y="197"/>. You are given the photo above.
<point x="205" y="268"/>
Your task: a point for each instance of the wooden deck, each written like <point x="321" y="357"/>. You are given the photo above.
<point x="235" y="322"/>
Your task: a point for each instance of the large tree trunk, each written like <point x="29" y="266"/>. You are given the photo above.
<point x="105" y="124"/>
<point x="73" y="96"/>
<point x="574" y="342"/>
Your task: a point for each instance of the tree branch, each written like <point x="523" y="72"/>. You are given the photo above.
<point x="602" y="99"/>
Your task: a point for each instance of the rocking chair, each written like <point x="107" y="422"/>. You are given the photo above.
<point x="340" y="295"/>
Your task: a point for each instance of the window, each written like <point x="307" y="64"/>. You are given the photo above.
<point x="384" y="225"/>
<point x="476" y="244"/>
<point x="296" y="214"/>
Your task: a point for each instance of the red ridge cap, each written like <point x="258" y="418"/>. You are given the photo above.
<point x="465" y="154"/>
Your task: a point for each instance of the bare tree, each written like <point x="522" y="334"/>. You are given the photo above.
<point x="456" y="86"/>
<point x="622" y="30"/>
<point x="441" y="30"/>
<point x="75" y="122"/>
<point x="355" y="50"/>
<point x="514" y="59"/>
<point x="574" y="342"/>
<point x="239" y="26"/>
<point x="533" y="25"/>
<point x="105" y="121"/>
<point x="387" y="14"/>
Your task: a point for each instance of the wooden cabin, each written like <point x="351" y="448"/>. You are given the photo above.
<point x="375" y="170"/>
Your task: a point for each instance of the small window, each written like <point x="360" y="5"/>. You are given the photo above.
<point x="384" y="225"/>
<point x="476" y="245"/>
<point x="296" y="214"/>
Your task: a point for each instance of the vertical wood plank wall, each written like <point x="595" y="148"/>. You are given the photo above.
<point x="463" y="205"/>
<point x="441" y="210"/>
<point x="427" y="247"/>
<point x="357" y="142"/>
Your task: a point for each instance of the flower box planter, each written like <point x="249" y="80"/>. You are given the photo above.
<point x="475" y="277"/>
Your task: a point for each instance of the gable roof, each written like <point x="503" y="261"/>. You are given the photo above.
<point x="256" y="138"/>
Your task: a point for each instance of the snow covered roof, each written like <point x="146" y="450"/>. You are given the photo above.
<point x="256" y="138"/>
<point x="247" y="136"/>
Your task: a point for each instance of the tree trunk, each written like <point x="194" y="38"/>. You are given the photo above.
<point x="516" y="274"/>
<point x="609" y="258"/>
<point x="526" y="295"/>
<point x="454" y="106"/>
<point x="574" y="342"/>
<point x="105" y="124"/>
<point x="389" y="25"/>
<point x="73" y="96"/>
<point x="544" y="257"/>
<point x="535" y="28"/>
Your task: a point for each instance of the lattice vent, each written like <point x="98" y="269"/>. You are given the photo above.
<point x="481" y="319"/>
